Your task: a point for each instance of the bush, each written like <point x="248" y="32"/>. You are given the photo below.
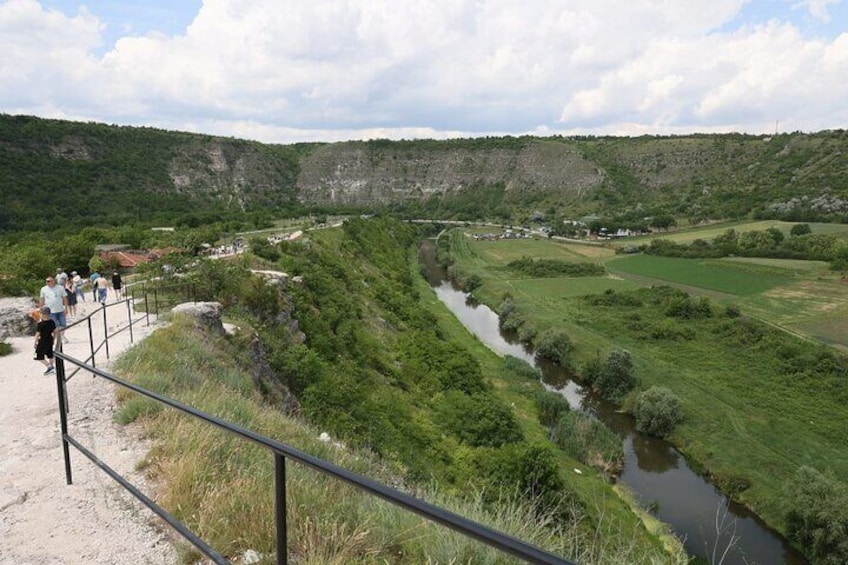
<point x="526" y="334"/>
<point x="554" y="345"/>
<point x="657" y="411"/>
<point x="588" y="440"/>
<point x="617" y="377"/>
<point x="479" y="420"/>
<point x="513" y="367"/>
<point x="5" y="348"/>
<point x="817" y="518"/>
<point x="550" y="406"/>
<point x="800" y="229"/>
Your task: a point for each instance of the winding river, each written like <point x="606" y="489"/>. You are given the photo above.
<point x="711" y="526"/>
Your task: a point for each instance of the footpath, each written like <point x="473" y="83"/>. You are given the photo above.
<point x="44" y="521"/>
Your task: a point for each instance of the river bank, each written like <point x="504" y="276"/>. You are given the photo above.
<point x="654" y="470"/>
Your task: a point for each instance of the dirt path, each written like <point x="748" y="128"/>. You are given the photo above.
<point x="43" y="520"/>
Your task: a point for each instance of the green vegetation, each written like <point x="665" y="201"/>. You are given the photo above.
<point x="222" y="487"/>
<point x="555" y="345"/>
<point x="758" y="402"/>
<point x="5" y="348"/>
<point x="555" y="268"/>
<point x="818" y="515"/>
<point x="588" y="441"/>
<point x="729" y="278"/>
<point x="657" y="411"/>
<point x="76" y="172"/>
<point x="119" y="175"/>
<point x="384" y="369"/>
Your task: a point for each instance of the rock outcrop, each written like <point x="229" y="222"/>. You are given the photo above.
<point x="14" y="317"/>
<point x="205" y="314"/>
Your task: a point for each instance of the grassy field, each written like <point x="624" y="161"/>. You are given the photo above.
<point x="688" y="235"/>
<point x="739" y="279"/>
<point x="746" y="418"/>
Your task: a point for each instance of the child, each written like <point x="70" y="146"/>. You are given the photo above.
<point x="45" y="333"/>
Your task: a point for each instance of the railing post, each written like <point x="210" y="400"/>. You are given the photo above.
<point x="146" y="309"/>
<point x="280" y="498"/>
<point x="63" y="416"/>
<point x="91" y="342"/>
<point x="105" y="332"/>
<point x="156" y="301"/>
<point x="129" y="320"/>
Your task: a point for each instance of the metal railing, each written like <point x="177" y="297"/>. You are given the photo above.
<point x="186" y="291"/>
<point x="281" y="452"/>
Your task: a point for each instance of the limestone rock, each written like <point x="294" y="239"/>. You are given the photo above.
<point x="14" y="317"/>
<point x="205" y="314"/>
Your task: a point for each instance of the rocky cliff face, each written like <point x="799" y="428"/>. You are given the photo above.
<point x="357" y="173"/>
<point x="129" y="174"/>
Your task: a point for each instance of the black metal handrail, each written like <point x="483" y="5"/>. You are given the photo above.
<point x="281" y="451"/>
<point x="188" y="290"/>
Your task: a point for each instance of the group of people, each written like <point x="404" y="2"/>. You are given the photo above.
<point x="57" y="303"/>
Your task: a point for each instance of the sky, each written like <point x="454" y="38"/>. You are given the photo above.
<point x="284" y="71"/>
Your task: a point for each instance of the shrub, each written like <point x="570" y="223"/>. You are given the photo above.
<point x="550" y="406"/>
<point x="472" y="283"/>
<point x="513" y="367"/>
<point x="657" y="411"/>
<point x="732" y="311"/>
<point x="686" y="308"/>
<point x="593" y="369"/>
<point x="617" y="377"/>
<point x="554" y="345"/>
<point x="800" y="229"/>
<point x="5" y="348"/>
<point x="817" y="518"/>
<point x="588" y="440"/>
<point x="526" y="334"/>
<point x="478" y="420"/>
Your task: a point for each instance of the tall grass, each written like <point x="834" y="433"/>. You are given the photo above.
<point x="222" y="487"/>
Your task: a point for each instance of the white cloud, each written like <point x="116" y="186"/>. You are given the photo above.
<point x="819" y="9"/>
<point x="280" y="70"/>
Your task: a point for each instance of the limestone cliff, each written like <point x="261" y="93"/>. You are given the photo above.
<point x="357" y="173"/>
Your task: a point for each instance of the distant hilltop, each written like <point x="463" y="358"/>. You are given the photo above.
<point x="87" y="172"/>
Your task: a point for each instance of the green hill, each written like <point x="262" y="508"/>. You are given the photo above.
<point x="84" y="173"/>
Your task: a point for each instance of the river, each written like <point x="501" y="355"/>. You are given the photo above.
<point x="707" y="521"/>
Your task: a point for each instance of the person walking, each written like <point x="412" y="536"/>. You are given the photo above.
<point x="78" y="284"/>
<point x="45" y="333"/>
<point x="61" y="277"/>
<point x="54" y="297"/>
<point x="93" y="278"/>
<point x="102" y="287"/>
<point x="71" y="292"/>
<point x="116" y="284"/>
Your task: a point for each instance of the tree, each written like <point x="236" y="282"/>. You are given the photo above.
<point x="657" y="411"/>
<point x="663" y="221"/>
<point x="776" y="235"/>
<point x="618" y="376"/>
<point x="800" y="229"/>
<point x="555" y="345"/>
<point x="817" y="516"/>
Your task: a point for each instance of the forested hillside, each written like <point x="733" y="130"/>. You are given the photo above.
<point x="55" y="173"/>
<point x="84" y="173"/>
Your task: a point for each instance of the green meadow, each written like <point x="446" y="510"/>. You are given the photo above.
<point x="757" y="404"/>
<point x="690" y="234"/>
<point x="739" y="279"/>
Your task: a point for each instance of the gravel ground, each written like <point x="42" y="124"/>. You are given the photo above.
<point x="94" y="521"/>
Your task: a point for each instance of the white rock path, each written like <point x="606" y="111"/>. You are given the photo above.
<point x="93" y="521"/>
